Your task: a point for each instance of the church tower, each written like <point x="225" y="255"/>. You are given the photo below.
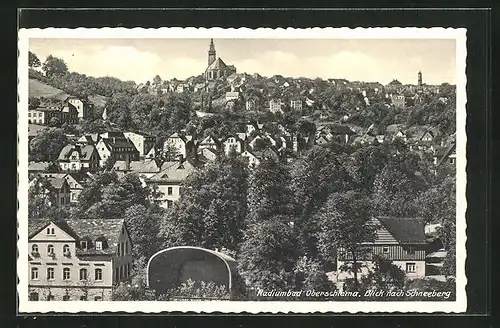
<point x="211" y="53"/>
<point x="419" y="79"/>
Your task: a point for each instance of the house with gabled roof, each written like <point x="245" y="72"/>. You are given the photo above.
<point x="118" y="149"/>
<point x="401" y="240"/>
<point x="59" y="188"/>
<point x="142" y="141"/>
<point x="445" y="155"/>
<point x="77" y="259"/>
<point x="75" y="157"/>
<point x="206" y="155"/>
<point x="89" y="139"/>
<point x="209" y="142"/>
<point x="251" y="159"/>
<point x="146" y="168"/>
<point x="170" y="179"/>
<point x="180" y="142"/>
<point x="233" y="143"/>
<point x="76" y="181"/>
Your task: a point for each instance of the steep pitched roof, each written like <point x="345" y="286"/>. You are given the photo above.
<point x="38" y="224"/>
<point x="405" y="230"/>
<point x="57" y="182"/>
<point x="217" y="64"/>
<point x="84" y="152"/>
<point x="145" y="166"/>
<point x="449" y="150"/>
<point x="109" y="229"/>
<point x="119" y="143"/>
<point x="173" y="172"/>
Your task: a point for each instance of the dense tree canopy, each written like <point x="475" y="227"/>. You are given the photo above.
<point x="33" y="60"/>
<point x="54" y="66"/>
<point x="212" y="209"/>
<point x="47" y="145"/>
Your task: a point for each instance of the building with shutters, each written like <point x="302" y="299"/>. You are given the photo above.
<point x="401" y="240"/>
<point x="77" y="259"/>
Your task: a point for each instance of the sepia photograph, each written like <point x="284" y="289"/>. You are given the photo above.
<point x="242" y="170"/>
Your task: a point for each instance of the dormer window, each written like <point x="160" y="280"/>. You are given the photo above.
<point x="98" y="245"/>
<point x="83" y="244"/>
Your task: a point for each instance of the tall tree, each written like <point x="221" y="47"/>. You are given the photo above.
<point x="47" y="144"/>
<point x="41" y="198"/>
<point x="33" y="103"/>
<point x="344" y="225"/>
<point x="269" y="254"/>
<point x="384" y="276"/>
<point x="269" y="194"/>
<point x="397" y="184"/>
<point x="54" y="66"/>
<point x="212" y="209"/>
<point x="314" y="177"/>
<point x="142" y="223"/>
<point x="33" y="60"/>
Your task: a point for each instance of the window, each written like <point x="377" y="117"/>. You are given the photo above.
<point x="98" y="245"/>
<point x="128" y="269"/>
<point x="34" y="248"/>
<point x="98" y="274"/>
<point x="83" y="298"/>
<point x="50" y="297"/>
<point x="50" y="231"/>
<point x="117" y="275"/>
<point x="66" y="298"/>
<point x="50" y="250"/>
<point x="66" y="274"/>
<point x="50" y="273"/>
<point x="33" y="296"/>
<point x="385" y="250"/>
<point x="83" y="274"/>
<point x="66" y="249"/>
<point x="126" y="247"/>
<point x="73" y="156"/>
<point x="83" y="244"/>
<point x="34" y="273"/>
<point x="169" y="203"/>
<point x="73" y="196"/>
<point x="169" y="191"/>
<point x="122" y="246"/>
<point x="121" y="272"/>
<point x="411" y="268"/>
<point x="98" y="298"/>
<point x="29" y="114"/>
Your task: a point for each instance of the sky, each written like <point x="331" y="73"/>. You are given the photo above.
<point x="369" y="60"/>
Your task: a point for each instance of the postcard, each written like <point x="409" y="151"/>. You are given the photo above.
<point x="242" y="170"/>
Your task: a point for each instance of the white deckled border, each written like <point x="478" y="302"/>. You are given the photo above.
<point x="457" y="306"/>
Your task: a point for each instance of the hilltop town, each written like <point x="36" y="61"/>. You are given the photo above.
<point x="285" y="175"/>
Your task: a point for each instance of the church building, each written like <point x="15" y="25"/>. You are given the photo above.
<point x="217" y="69"/>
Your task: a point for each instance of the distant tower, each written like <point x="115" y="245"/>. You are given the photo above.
<point x="211" y="52"/>
<point x="419" y="79"/>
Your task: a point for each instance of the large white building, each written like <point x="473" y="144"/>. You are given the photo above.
<point x="77" y="260"/>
